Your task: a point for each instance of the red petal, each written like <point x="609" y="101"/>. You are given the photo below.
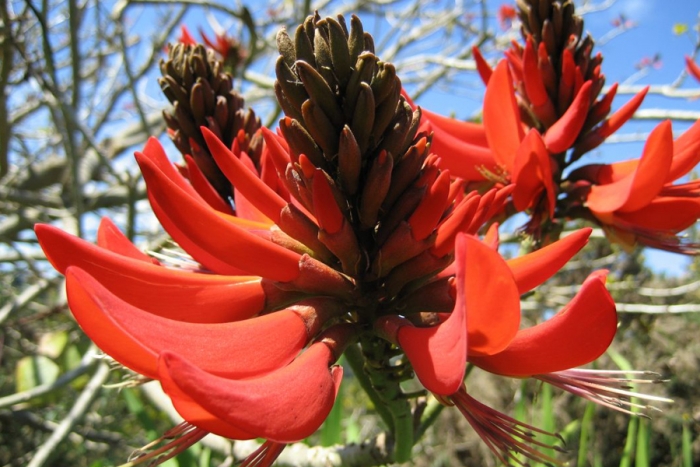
<point x="577" y="335"/>
<point x="624" y="113"/>
<point x="438" y="354"/>
<point x="261" y="195"/>
<point x="463" y="159"/>
<point x="110" y="237"/>
<point x="135" y="337"/>
<point x="501" y="117"/>
<point x="692" y="67"/>
<point x="561" y="136"/>
<point x="220" y="298"/>
<point x="432" y="206"/>
<point x="664" y="214"/>
<point x="460" y="219"/>
<point x="490" y="296"/>
<point x="329" y="216"/>
<point x="204" y="188"/>
<point x="638" y="189"/>
<point x="482" y="66"/>
<point x="211" y="240"/>
<point x="472" y="133"/>
<point x="491" y="237"/>
<point x="532" y="173"/>
<point x="284" y="406"/>
<point x="155" y="153"/>
<point x="686" y="153"/>
<point x="534" y="268"/>
<point x="195" y="414"/>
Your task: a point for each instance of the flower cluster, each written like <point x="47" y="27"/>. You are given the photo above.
<point x="347" y="230"/>
<point x="543" y="110"/>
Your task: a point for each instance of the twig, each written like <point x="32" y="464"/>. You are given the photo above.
<point x="81" y="406"/>
<point x="29" y="294"/>
<point x="88" y="362"/>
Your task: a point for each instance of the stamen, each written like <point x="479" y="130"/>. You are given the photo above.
<point x="265" y="455"/>
<point x="179" y="438"/>
<point x="507" y="437"/>
<point x="610" y="388"/>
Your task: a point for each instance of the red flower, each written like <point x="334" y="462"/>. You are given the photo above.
<point x="636" y="200"/>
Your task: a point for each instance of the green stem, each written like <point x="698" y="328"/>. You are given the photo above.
<point x="353" y="354"/>
<point x="431" y="414"/>
<point x="403" y="431"/>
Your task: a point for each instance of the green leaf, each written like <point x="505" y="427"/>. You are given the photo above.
<point x="332" y="428"/>
<point x="52" y="344"/>
<point x="687" y="441"/>
<point x="643" y="439"/>
<point x="586" y="433"/>
<point x="33" y="371"/>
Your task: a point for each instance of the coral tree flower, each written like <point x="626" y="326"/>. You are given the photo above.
<point x="636" y="201"/>
<point x="371" y="247"/>
<point x="542" y="112"/>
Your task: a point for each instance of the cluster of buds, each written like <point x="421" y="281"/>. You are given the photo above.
<point x="202" y="95"/>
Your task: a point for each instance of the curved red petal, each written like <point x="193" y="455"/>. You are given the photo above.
<point x="692" y="67"/>
<point x="577" y="335"/>
<point x="532" y="173"/>
<point x="196" y="415"/>
<point x="638" y="189"/>
<point x="686" y="153"/>
<point x="561" y="136"/>
<point x="203" y="187"/>
<point x="490" y="296"/>
<point x="155" y="153"/>
<point x="670" y="214"/>
<point x="110" y="237"/>
<point x="284" y="406"/>
<point x="621" y="115"/>
<point x="473" y="133"/>
<point x="458" y="221"/>
<point x="135" y="337"/>
<point x="482" y="66"/>
<point x="431" y="208"/>
<point x="262" y="196"/>
<point x="535" y="268"/>
<point x="464" y="160"/>
<point x="212" y="240"/>
<point x="438" y="354"/>
<point x="501" y="117"/>
<point x="222" y="298"/>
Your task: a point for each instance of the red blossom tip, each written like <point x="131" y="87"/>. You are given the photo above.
<point x="577" y="335"/>
<point x="284" y="406"/>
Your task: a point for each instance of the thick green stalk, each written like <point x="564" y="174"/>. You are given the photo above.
<point x="353" y="355"/>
